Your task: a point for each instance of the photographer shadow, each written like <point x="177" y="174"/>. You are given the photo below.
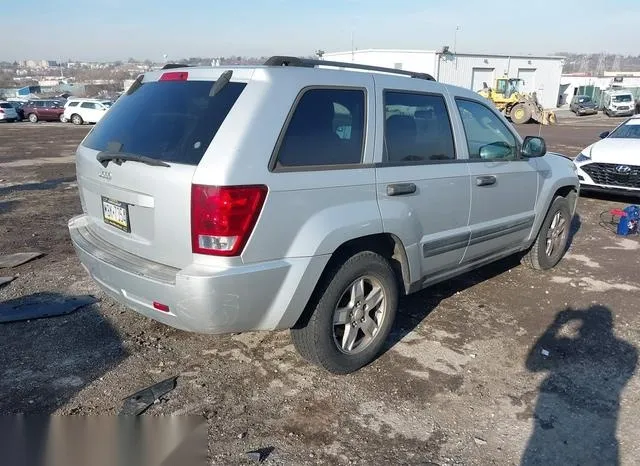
<point x="576" y="413"/>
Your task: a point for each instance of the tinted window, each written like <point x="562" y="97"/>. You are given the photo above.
<point x="5" y="105"/>
<point x="174" y="121"/>
<point x="73" y="104"/>
<point x="622" y="98"/>
<point x="326" y="128"/>
<point x="487" y="136"/>
<point x="417" y="128"/>
<point x="88" y="105"/>
<point x="629" y="130"/>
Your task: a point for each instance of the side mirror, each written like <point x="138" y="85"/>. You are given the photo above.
<point x="605" y="134"/>
<point x="533" y="146"/>
<point x="496" y="150"/>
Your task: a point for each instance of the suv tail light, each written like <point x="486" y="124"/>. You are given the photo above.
<point x="1" y="111"/>
<point x="223" y="217"/>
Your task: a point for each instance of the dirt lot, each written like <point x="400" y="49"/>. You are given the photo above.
<point x="463" y="381"/>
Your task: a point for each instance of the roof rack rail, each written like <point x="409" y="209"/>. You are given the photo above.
<point x="312" y="63"/>
<point x="169" y="66"/>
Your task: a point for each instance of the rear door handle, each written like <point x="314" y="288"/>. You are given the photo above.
<point x="485" y="180"/>
<point x="400" y="189"/>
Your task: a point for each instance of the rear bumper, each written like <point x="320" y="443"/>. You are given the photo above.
<point x="202" y="299"/>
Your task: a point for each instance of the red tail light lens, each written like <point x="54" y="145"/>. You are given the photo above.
<point x="222" y="218"/>
<point x="175" y="76"/>
<point x="160" y="307"/>
<point x="1" y="111"/>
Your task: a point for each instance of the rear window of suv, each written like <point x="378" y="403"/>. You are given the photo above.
<point x="172" y="121"/>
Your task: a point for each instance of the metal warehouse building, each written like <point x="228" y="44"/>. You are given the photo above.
<point x="540" y="74"/>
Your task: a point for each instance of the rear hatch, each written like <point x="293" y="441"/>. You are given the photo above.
<point x="136" y="165"/>
<point x="7" y="109"/>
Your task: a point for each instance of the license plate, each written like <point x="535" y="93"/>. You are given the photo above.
<point x="116" y="213"/>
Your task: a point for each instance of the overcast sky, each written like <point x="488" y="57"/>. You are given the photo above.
<point x="118" y="29"/>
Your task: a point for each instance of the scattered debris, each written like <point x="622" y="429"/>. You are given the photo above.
<point x="41" y="306"/>
<point x="19" y="258"/>
<point x="5" y="280"/>
<point x="260" y="454"/>
<point x="479" y="441"/>
<point x="138" y="403"/>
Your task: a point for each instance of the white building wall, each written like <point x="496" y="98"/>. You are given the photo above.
<point x="569" y="85"/>
<point x="541" y="74"/>
<point x="461" y="69"/>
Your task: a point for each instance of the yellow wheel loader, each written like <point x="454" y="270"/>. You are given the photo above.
<point x="508" y="97"/>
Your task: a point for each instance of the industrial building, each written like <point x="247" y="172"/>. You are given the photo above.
<point x="541" y="74"/>
<point x="594" y="86"/>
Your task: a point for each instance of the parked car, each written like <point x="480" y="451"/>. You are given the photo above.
<point x="79" y="111"/>
<point x="18" y="108"/>
<point x="354" y="189"/>
<point x="612" y="164"/>
<point x="583" y="105"/>
<point x="7" y="112"/>
<point x="44" y="109"/>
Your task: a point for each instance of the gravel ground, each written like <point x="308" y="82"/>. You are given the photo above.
<point x="500" y="366"/>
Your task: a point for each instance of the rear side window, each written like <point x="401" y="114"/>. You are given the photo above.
<point x="88" y="105"/>
<point x="5" y="105"/>
<point x="417" y="128"/>
<point x="326" y="128"/>
<point x="173" y="121"/>
<point x="73" y="104"/>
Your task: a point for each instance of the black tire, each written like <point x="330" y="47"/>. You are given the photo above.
<point x="33" y="118"/>
<point x="520" y="114"/>
<point x="314" y="336"/>
<point x="538" y="257"/>
<point x="76" y="119"/>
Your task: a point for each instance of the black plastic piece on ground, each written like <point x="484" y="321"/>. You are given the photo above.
<point x="260" y="454"/>
<point x="138" y="403"/>
<point x="36" y="308"/>
<point x="5" y="280"/>
<point x="19" y="258"/>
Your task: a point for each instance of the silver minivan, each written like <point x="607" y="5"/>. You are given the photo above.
<point x="300" y="196"/>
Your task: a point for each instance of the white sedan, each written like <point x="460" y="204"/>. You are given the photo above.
<point x="613" y="163"/>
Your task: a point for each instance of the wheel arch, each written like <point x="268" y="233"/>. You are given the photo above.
<point x="566" y="190"/>
<point x="387" y="245"/>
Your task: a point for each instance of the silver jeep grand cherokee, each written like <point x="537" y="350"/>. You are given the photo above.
<point x="299" y="195"/>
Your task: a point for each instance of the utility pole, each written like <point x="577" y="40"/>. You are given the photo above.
<point x="455" y="40"/>
<point x="352" y="48"/>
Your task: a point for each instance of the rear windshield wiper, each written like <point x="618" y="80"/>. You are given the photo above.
<point x="121" y="157"/>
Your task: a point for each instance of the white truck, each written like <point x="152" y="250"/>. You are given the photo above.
<point x="618" y="103"/>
